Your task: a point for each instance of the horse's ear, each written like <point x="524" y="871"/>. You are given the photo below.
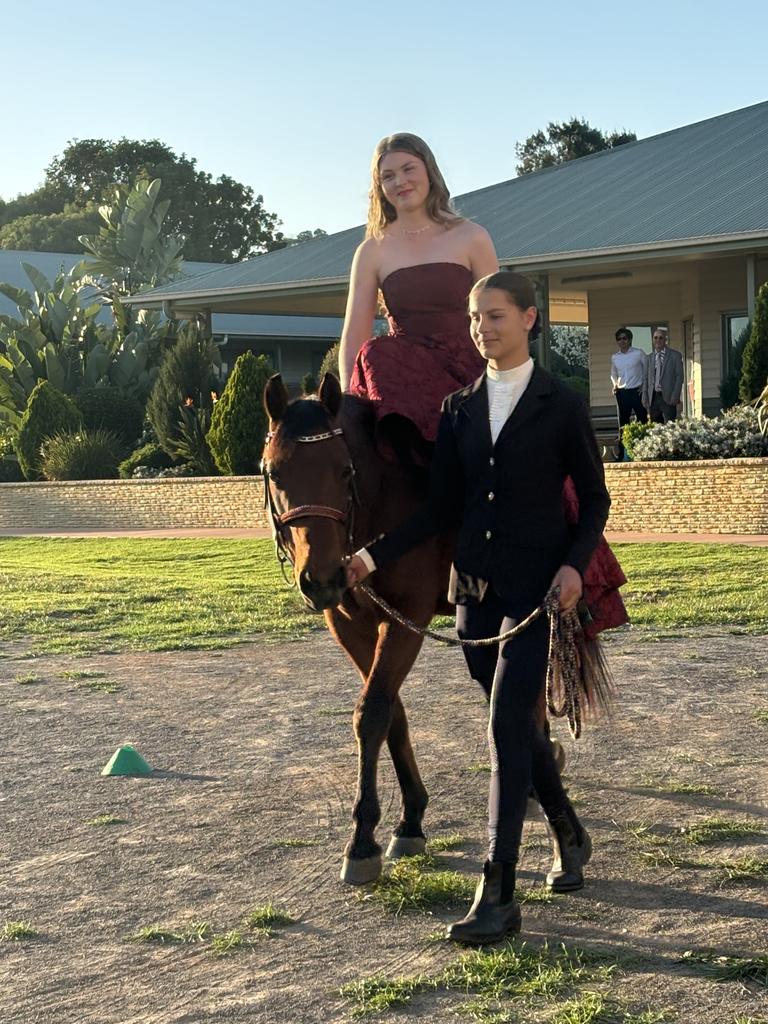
<point x="275" y="398"/>
<point x="330" y="393"/>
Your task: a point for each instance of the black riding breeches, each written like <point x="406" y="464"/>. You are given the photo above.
<point x="521" y="755"/>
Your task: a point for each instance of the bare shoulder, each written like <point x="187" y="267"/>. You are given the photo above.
<point x="475" y="232"/>
<point x="367" y="256"/>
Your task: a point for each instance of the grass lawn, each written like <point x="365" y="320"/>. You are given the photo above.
<point x="87" y="595"/>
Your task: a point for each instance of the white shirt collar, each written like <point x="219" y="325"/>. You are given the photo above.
<point x="514" y="376"/>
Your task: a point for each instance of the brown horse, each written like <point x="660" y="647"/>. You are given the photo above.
<point x="330" y="492"/>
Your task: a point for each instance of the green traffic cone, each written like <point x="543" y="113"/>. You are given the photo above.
<point x="126" y="760"/>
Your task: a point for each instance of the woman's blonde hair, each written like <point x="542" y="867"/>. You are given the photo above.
<point x="380" y="211"/>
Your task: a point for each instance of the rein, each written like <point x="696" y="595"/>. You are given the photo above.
<point x="565" y="664"/>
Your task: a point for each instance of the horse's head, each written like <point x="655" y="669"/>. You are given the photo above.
<point x="310" y="477"/>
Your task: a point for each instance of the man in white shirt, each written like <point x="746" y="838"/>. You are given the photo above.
<point x="628" y="373"/>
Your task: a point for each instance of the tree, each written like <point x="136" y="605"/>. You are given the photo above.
<point x="754" y="363"/>
<point x="51" y="232"/>
<point x="220" y="219"/>
<point x="564" y="141"/>
<point x="239" y="421"/>
<point x="572" y="343"/>
<point x="283" y="241"/>
<point x="186" y="379"/>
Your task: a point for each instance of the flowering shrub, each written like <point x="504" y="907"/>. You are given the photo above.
<point x="734" y="435"/>
<point x="152" y="473"/>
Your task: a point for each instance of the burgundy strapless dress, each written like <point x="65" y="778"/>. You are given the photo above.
<point x="428" y="352"/>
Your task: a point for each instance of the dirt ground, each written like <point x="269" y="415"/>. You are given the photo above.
<point x="253" y="750"/>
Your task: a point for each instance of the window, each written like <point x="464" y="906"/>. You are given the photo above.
<point x="732" y="325"/>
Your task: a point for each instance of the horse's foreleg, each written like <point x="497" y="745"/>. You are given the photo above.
<point x="395" y="654"/>
<point x="408" y="837"/>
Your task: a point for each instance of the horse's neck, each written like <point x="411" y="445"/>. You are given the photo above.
<point x="385" y="494"/>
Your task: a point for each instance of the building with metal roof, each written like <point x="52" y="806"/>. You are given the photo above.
<point x="671" y="229"/>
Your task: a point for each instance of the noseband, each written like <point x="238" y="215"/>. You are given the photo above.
<point x="281" y="520"/>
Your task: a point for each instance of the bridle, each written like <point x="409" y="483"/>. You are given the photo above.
<point x="281" y="521"/>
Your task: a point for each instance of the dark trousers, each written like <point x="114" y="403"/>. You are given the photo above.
<point x="628" y="401"/>
<point x="521" y="754"/>
<point x="661" y="411"/>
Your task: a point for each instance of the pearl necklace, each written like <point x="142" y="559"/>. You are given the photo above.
<point x="417" y="231"/>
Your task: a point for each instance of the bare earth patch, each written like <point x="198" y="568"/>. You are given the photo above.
<point x="249" y="808"/>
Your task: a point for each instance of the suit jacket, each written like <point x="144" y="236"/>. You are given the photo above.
<point x="506" y="499"/>
<point x="671" y="377"/>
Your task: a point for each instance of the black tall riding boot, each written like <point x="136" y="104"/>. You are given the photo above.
<point x="494" y="912"/>
<point x="572" y="849"/>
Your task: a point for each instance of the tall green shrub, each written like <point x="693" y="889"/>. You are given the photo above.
<point x="754" y="364"/>
<point x="330" y="363"/>
<point x="110" y="409"/>
<point x="186" y="377"/>
<point x="48" y="412"/>
<point x="729" y="387"/>
<point x="239" y="421"/>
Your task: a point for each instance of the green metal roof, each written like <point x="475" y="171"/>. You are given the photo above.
<point x="705" y="183"/>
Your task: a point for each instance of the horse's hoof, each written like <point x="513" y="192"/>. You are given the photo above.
<point x="360" y="871"/>
<point x="405" y="846"/>
<point x="558" y="752"/>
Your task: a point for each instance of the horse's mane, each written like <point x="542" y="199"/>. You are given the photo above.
<point x="309" y="416"/>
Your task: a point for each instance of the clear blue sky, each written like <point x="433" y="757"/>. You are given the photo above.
<point x="291" y="97"/>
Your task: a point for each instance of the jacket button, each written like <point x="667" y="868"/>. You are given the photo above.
<point x="488" y="534"/>
<point x="491" y="461"/>
<point x="491" y="495"/>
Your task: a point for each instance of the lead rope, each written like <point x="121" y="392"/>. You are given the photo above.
<point x="564" y="662"/>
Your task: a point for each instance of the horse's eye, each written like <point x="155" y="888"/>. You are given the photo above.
<point x="275" y="479"/>
<point x="347" y="472"/>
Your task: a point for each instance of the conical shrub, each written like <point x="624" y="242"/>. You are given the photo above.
<point x="754" y="363"/>
<point x="239" y="422"/>
<point x="48" y="412"/>
<point x="186" y="377"/>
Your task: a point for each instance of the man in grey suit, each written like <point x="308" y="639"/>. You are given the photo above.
<point x="663" y="379"/>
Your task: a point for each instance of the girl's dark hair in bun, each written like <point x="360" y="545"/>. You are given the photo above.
<point x="519" y="289"/>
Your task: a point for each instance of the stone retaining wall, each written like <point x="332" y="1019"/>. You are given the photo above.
<point x="711" y="496"/>
<point x="191" y="502"/>
<point x="718" y="496"/>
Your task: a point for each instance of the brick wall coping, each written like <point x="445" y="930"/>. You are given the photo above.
<point x="622" y="467"/>
<point x="154" y="480"/>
